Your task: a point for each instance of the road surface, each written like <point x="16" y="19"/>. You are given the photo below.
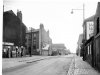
<point x="58" y="65"/>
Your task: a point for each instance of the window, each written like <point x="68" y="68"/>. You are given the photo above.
<point x="34" y="42"/>
<point x="34" y="35"/>
<point x="97" y="25"/>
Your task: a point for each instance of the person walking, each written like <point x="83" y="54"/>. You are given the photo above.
<point x="16" y="51"/>
<point x="4" y="52"/>
<point x="21" y="51"/>
<point x="30" y="51"/>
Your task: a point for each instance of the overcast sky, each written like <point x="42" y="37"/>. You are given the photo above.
<point x="56" y="16"/>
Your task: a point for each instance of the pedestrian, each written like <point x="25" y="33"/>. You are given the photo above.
<point x="4" y="52"/>
<point x="7" y="53"/>
<point x="21" y="51"/>
<point x="16" y="51"/>
<point x="11" y="53"/>
<point x="30" y="51"/>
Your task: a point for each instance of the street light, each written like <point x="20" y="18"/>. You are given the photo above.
<point x="80" y="9"/>
<point x="83" y="9"/>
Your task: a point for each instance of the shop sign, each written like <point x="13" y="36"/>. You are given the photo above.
<point x="8" y="43"/>
<point x="90" y="29"/>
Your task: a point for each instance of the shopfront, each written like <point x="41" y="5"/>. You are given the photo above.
<point x="7" y="49"/>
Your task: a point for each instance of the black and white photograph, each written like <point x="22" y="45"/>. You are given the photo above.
<point x="50" y="37"/>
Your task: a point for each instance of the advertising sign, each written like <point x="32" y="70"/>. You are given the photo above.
<point x="90" y="29"/>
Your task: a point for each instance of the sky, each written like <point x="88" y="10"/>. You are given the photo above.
<point x="56" y="17"/>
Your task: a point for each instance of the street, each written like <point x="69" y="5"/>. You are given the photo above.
<point x="58" y="65"/>
<point x="44" y="38"/>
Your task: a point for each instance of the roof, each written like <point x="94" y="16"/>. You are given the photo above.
<point x="89" y="19"/>
<point x="58" y="46"/>
<point x="98" y="9"/>
<point x="34" y="30"/>
<point x="10" y="11"/>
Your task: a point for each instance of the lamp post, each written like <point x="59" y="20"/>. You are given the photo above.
<point x="83" y="9"/>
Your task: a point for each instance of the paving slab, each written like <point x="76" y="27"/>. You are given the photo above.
<point x="80" y="67"/>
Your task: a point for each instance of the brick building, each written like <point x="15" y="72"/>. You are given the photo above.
<point x="32" y="41"/>
<point x="79" y="44"/>
<point x="58" y="49"/>
<point x="91" y="39"/>
<point x="45" y="41"/>
<point x="13" y="28"/>
<point x="14" y="32"/>
<point x="38" y="41"/>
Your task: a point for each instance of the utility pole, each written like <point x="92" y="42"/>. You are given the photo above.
<point x="21" y="35"/>
<point x="41" y="42"/>
<point x="83" y="9"/>
<point x="30" y="48"/>
<point x="83" y="12"/>
<point x="31" y="41"/>
<point x="3" y="8"/>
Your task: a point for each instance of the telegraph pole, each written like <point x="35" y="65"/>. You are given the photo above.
<point x="30" y="48"/>
<point x="83" y="12"/>
<point x="31" y="41"/>
<point x="3" y="8"/>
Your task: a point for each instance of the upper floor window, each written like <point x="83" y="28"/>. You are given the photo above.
<point x="34" y="35"/>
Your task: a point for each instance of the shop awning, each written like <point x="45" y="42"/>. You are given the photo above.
<point x="8" y="43"/>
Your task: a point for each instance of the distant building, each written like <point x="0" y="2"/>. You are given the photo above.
<point x="32" y="41"/>
<point x="45" y="41"/>
<point x="79" y="43"/>
<point x="58" y="49"/>
<point x="38" y="41"/>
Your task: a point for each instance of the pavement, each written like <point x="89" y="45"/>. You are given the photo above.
<point x="80" y="67"/>
<point x="15" y="62"/>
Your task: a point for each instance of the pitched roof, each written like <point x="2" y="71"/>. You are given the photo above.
<point x="10" y="11"/>
<point x="89" y="19"/>
<point x="58" y="46"/>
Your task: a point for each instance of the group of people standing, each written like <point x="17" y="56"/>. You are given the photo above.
<point x="13" y="51"/>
